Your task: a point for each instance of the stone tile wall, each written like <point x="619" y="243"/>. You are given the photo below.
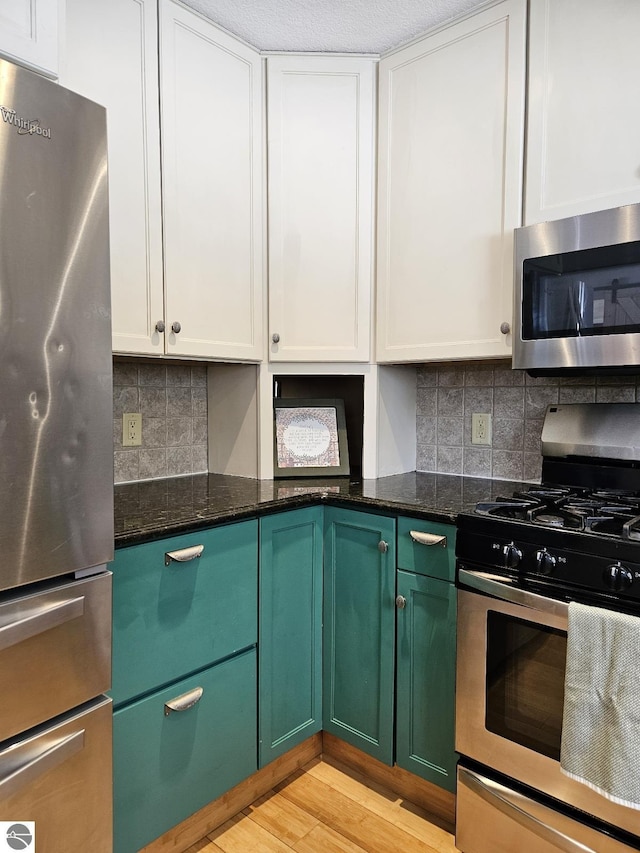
<point x="448" y="394"/>
<point x="172" y="399"/>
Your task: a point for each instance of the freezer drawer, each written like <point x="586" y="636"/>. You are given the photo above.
<point x="492" y="818"/>
<point x="182" y="747"/>
<point x="55" y="651"/>
<point x="60" y="777"/>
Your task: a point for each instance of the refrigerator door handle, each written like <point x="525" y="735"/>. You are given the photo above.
<point x="43" y="761"/>
<point x="40" y="620"/>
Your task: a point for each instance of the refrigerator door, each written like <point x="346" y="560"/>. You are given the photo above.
<point x="59" y="777"/>
<point x="56" y="455"/>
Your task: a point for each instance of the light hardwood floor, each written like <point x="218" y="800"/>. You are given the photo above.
<point x="327" y="807"/>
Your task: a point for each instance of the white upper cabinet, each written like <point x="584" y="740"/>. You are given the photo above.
<point x="211" y="103"/>
<point x="449" y="193"/>
<point x="583" y="129"/>
<point x="29" y="33"/>
<point x="128" y="88"/>
<point x="321" y="172"/>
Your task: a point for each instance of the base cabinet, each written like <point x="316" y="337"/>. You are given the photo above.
<point x="359" y="630"/>
<point x="290" y="637"/>
<point x="168" y="765"/>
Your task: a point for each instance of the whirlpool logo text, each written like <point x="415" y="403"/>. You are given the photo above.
<point x="24" y="126"/>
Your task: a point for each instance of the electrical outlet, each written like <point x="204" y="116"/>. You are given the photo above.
<point x="131" y="429"/>
<point x="480" y="428"/>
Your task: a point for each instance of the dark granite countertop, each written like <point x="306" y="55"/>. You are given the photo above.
<point x="158" y="508"/>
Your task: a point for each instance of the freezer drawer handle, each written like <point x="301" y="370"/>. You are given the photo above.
<point x="41" y="763"/>
<point x="183" y="555"/>
<point x="41" y="620"/>
<point x="183" y="702"/>
<point x="497" y="796"/>
<point x="428" y="538"/>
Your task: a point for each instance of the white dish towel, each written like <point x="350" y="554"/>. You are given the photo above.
<point x="601" y="721"/>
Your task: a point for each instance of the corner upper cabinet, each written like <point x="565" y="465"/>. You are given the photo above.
<point x="128" y="89"/>
<point x="321" y="172"/>
<point x="29" y="33"/>
<point x="449" y="188"/>
<point x="211" y="119"/>
<point x="583" y="130"/>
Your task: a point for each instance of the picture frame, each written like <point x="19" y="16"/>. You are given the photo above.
<point x="310" y="438"/>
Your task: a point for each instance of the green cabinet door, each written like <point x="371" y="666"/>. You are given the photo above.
<point x="290" y="633"/>
<point x="426" y="650"/>
<point x="359" y="630"/>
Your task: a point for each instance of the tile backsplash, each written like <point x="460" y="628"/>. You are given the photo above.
<point x="448" y="394"/>
<point x="172" y="399"/>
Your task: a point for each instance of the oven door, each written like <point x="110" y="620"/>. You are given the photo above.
<point x="509" y="691"/>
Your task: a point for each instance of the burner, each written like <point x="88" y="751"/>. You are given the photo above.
<point x="550" y="520"/>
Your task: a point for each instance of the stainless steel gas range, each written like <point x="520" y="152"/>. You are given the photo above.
<point x="521" y="561"/>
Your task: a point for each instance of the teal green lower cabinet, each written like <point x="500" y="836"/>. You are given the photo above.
<point x="359" y="630"/>
<point x="173" y="615"/>
<point x="425" y="703"/>
<point x="290" y="633"/>
<point x="168" y="765"/>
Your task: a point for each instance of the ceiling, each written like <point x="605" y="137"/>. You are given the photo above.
<point x="342" y="26"/>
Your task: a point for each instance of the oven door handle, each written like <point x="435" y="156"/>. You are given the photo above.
<point x="502" y="588"/>
<point x="501" y="798"/>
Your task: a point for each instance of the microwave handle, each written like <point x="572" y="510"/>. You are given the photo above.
<point x="502" y="588"/>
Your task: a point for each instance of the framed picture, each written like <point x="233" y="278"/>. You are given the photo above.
<point x="310" y="438"/>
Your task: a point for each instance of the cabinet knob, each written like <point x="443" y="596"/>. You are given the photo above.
<point x="505" y="328"/>
<point x="275" y="337"/>
<point x="401" y="602"/>
<point x="160" y="326"/>
<point x="383" y="546"/>
<point x="176" y="327"/>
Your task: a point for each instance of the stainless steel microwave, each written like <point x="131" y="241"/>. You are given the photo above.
<point x="577" y="293"/>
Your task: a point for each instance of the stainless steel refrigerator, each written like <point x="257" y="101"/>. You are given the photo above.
<point x="56" y="468"/>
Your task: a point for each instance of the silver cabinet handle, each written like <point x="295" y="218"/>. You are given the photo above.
<point x="183" y="555"/>
<point x="275" y="337"/>
<point x="428" y="538"/>
<point x="514" y="805"/>
<point x="40" y="620"/>
<point x="505" y="328"/>
<point x="39" y="761"/>
<point x="383" y="546"/>
<point x="401" y="602"/>
<point x="160" y="326"/>
<point x="183" y="702"/>
<point x="176" y="327"/>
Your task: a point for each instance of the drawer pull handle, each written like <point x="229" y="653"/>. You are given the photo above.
<point x="184" y="702"/>
<point x="41" y="757"/>
<point x="428" y="538"/>
<point x="183" y="555"/>
<point x="40" y="620"/>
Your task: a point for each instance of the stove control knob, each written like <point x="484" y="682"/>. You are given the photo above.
<point x="545" y="562"/>
<point x="617" y="577"/>
<point x="512" y="556"/>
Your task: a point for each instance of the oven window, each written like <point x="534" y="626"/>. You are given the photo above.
<point x="525" y="682"/>
<point x="584" y="293"/>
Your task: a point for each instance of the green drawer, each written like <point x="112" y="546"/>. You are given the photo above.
<point x="167" y="767"/>
<point x="172" y="620"/>
<point x="436" y="560"/>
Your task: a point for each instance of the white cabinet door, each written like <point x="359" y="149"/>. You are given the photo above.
<point x="211" y="105"/>
<point x="29" y="33"/>
<point x="450" y="176"/>
<point x="583" y="128"/>
<point x="111" y="57"/>
<point x="320" y="154"/>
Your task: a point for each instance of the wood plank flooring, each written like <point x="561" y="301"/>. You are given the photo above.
<point x="327" y="807"/>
